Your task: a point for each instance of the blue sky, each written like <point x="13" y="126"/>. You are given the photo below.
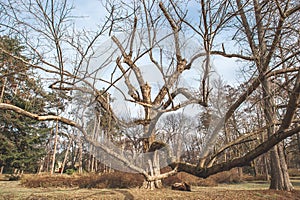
<point x="91" y="13"/>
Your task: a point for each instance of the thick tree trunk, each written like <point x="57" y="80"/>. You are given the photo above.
<point x="262" y="50"/>
<point x="156" y="169"/>
<point x="150" y="184"/>
<point x="279" y="174"/>
<point x="154" y="165"/>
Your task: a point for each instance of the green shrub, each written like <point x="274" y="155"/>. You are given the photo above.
<point x="70" y="171"/>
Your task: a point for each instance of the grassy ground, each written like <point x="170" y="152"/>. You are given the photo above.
<point x="244" y="191"/>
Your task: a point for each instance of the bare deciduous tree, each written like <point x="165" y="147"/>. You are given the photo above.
<point x="166" y="40"/>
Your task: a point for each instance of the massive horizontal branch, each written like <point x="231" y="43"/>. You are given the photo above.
<point x="274" y="139"/>
<point x="240" y="140"/>
<point x="238" y="162"/>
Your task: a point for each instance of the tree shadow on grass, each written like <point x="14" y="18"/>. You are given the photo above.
<point x="128" y="195"/>
<point x="99" y="194"/>
<point x="295" y="183"/>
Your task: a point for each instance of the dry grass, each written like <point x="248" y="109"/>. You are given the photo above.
<point x="14" y="190"/>
<point x="91" y="187"/>
<point x="111" y="180"/>
<point x="294" y="172"/>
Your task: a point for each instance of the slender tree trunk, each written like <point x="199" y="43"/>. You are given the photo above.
<point x="92" y="163"/>
<point x="47" y="160"/>
<point x="66" y="156"/>
<point x="266" y="167"/>
<point x="240" y="172"/>
<point x="88" y="166"/>
<point x="1" y="100"/>
<point x="80" y="157"/>
<point x="298" y="144"/>
<point x="256" y="172"/>
<point x="96" y="165"/>
<point x="2" y="90"/>
<point x="54" y="150"/>
<point x="42" y="164"/>
<point x="298" y="141"/>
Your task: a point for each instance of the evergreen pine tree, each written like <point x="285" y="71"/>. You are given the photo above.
<point x="21" y="139"/>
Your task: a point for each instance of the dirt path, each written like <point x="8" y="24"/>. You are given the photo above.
<point x="13" y="190"/>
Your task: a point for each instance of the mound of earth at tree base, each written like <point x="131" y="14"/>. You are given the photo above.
<point x="181" y="186"/>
